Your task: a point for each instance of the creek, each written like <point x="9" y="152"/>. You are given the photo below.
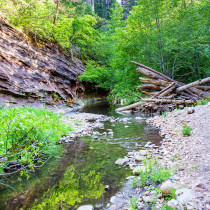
<point x="78" y="175"/>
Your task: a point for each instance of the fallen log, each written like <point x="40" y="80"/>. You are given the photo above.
<point x="129" y="107"/>
<point x="152" y="70"/>
<point x="168" y="101"/>
<point x="198" y="82"/>
<point x="203" y="88"/>
<point x="148" y="73"/>
<point x="148" y="87"/>
<point x="158" y="82"/>
<point x="162" y="91"/>
<point x="166" y="92"/>
<point x="150" y="93"/>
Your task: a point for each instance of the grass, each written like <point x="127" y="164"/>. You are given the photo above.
<point x="186" y="130"/>
<point x="166" y="207"/>
<point x="164" y="114"/>
<point x="133" y="203"/>
<point x="135" y="183"/>
<point x="27" y="133"/>
<point x="172" y="195"/>
<point x="194" y="166"/>
<point x="154" y="172"/>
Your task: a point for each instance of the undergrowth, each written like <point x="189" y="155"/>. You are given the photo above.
<point x="154" y="172"/>
<point x="27" y="134"/>
<point x="186" y="130"/>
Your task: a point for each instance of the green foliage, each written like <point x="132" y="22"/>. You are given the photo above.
<point x="169" y="36"/>
<point x="27" y="133"/>
<point x="164" y="114"/>
<point x="133" y="203"/>
<point x="186" y="130"/>
<point x="202" y="102"/>
<point x="154" y="172"/>
<point x="135" y="183"/>
<point x="70" y="24"/>
<point x="166" y="207"/>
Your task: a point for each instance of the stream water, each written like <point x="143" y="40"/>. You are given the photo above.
<point x="79" y="175"/>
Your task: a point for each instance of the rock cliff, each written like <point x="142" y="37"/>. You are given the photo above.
<point x="31" y="73"/>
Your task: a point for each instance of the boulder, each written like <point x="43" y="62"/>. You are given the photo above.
<point x="185" y="195"/>
<point x="143" y="152"/>
<point x="147" y="199"/>
<point x="173" y="203"/>
<point x="137" y="170"/>
<point x="166" y="188"/>
<point x="121" y="161"/>
<point x="138" y="158"/>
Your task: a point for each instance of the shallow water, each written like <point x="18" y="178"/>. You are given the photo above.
<point x="78" y="177"/>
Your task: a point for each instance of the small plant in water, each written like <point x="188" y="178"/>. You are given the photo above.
<point x="186" y="130"/>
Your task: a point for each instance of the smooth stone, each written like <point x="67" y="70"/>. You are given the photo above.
<point x="113" y="198"/>
<point x="166" y="188"/>
<point x="137" y="169"/>
<point x="173" y="203"/>
<point x="86" y="207"/>
<point x="143" y="152"/>
<point x="130" y="177"/>
<point x="140" y="118"/>
<point x="121" y="161"/>
<point x="147" y="199"/>
<point x="185" y="195"/>
<point x="138" y="158"/>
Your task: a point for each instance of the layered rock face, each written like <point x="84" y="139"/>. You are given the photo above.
<point x="33" y="73"/>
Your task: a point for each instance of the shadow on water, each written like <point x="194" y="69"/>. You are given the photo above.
<point x="78" y="176"/>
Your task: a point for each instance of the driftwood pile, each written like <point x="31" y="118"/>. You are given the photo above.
<point x="166" y="93"/>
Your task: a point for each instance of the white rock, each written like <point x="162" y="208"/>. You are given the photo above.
<point x="130" y="177"/>
<point x="140" y="118"/>
<point x="185" y="195"/>
<point x="166" y="188"/>
<point x="138" y="158"/>
<point x="121" y="161"/>
<point x="147" y="199"/>
<point x="113" y="198"/>
<point x="143" y="152"/>
<point x="137" y="169"/>
<point x="173" y="203"/>
<point x="86" y="207"/>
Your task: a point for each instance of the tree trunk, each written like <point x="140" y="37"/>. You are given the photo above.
<point x="129" y="107"/>
<point x="148" y="87"/>
<point x="198" y="82"/>
<point x="155" y="82"/>
<point x="56" y="14"/>
<point x="168" y="101"/>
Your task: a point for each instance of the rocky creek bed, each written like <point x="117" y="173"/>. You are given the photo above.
<point x="187" y="157"/>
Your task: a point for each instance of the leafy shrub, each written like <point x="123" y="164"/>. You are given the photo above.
<point x="186" y="130"/>
<point x="27" y="133"/>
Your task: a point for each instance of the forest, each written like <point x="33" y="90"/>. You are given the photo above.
<point x="170" y="36"/>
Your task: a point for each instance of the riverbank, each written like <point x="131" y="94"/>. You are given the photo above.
<point x="189" y="154"/>
<point x="185" y="157"/>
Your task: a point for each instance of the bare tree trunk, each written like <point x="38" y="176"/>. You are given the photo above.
<point x="56" y="14"/>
